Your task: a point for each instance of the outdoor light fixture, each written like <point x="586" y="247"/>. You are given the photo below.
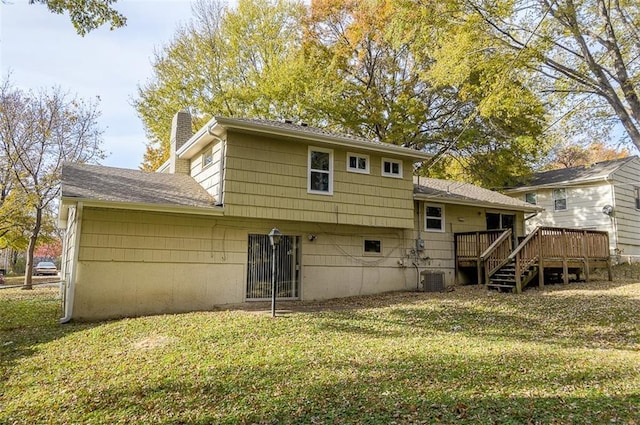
<point x="274" y="238"/>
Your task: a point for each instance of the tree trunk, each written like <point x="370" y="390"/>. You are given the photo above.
<point x="28" y="273"/>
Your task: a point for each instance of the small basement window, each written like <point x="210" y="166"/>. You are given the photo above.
<point x="358" y="163"/>
<point x="391" y="168"/>
<point x="559" y="199"/>
<point x="434" y="218"/>
<point x="372" y="246"/>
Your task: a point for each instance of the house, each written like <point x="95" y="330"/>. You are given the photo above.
<point x="603" y="196"/>
<point x="194" y="235"/>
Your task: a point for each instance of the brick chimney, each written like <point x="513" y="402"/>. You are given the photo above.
<point x="181" y="131"/>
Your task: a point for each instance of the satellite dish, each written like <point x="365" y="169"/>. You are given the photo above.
<point x="608" y="210"/>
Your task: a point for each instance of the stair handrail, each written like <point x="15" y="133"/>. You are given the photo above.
<point x="491" y="248"/>
<point x="486" y="256"/>
<point x="522" y="244"/>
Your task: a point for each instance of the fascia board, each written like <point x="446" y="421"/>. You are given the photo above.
<point x="387" y="149"/>
<point x="557" y="185"/>
<point x="138" y="206"/>
<point x="473" y="203"/>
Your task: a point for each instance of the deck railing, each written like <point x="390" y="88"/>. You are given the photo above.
<point x="553" y="245"/>
<point x="496" y="254"/>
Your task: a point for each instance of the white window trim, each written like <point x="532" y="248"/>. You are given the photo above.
<point x="636" y="196"/>
<point x="442" y="218"/>
<point x="358" y="156"/>
<point x="330" y="172"/>
<point x="566" y="197"/>
<point x="207" y="152"/>
<point x="392" y="161"/>
<point x="372" y="253"/>
<point x="535" y="198"/>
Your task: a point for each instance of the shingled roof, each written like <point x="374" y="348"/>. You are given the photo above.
<point x="575" y="175"/>
<point x="122" y="185"/>
<point x="460" y="193"/>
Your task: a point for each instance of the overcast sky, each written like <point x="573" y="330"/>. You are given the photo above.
<point x="42" y="49"/>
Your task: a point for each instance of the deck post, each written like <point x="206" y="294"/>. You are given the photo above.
<point x="565" y="265"/>
<point x="540" y="260"/>
<point x="585" y="252"/>
<point x="517" y="275"/>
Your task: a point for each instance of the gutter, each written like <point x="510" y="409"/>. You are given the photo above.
<point x="472" y="203"/>
<point x="335" y="140"/>
<point x="215" y="211"/>
<point x="70" y="284"/>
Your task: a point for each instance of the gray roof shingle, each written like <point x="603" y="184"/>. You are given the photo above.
<point x="97" y="182"/>
<point x="466" y="193"/>
<point x="597" y="171"/>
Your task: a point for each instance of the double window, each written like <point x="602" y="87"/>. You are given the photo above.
<point x="391" y="168"/>
<point x="434" y="218"/>
<point x="358" y="163"/>
<point x="320" y="177"/>
<point x="559" y="199"/>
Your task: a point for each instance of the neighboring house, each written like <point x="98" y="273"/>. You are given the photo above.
<point x="603" y="196"/>
<point x="194" y="235"/>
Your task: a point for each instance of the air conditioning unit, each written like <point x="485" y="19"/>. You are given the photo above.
<point x="432" y="281"/>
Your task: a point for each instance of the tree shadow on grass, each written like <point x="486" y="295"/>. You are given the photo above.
<point x="419" y="388"/>
<point x="568" y="317"/>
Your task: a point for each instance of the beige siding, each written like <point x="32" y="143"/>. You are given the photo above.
<point x="209" y="177"/>
<point x="627" y="217"/>
<point x="439" y="252"/>
<point x="267" y="178"/>
<point x="584" y="209"/>
<point x="136" y="263"/>
<point x="68" y="245"/>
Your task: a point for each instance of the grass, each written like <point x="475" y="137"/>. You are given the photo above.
<point x="568" y="354"/>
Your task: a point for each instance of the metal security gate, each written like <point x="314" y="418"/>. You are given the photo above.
<point x="259" y="268"/>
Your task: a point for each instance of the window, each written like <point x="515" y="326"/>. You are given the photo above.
<point x="320" y="171"/>
<point x="358" y="163"/>
<point x="434" y="218"/>
<point x="372" y="246"/>
<point x="207" y="158"/>
<point x="391" y="168"/>
<point x="531" y="197"/>
<point x="559" y="199"/>
<point x="637" y="190"/>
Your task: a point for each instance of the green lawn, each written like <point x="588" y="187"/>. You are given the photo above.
<point x="568" y="354"/>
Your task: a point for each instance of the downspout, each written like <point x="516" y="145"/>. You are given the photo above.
<point x="220" y="197"/>
<point x="415" y="247"/>
<point x="614" y="221"/>
<point x="70" y="284"/>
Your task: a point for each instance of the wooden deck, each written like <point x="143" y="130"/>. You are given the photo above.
<point x="545" y="253"/>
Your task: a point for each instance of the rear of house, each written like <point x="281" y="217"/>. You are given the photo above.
<point x="194" y="235"/>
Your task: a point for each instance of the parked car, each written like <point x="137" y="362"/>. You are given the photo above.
<point x="45" y="268"/>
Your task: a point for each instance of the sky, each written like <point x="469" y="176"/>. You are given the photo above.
<point x="42" y="50"/>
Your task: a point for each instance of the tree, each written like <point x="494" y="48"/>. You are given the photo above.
<point x="385" y="60"/>
<point x="86" y="15"/>
<point x="575" y="155"/>
<point x="232" y="62"/>
<point x="39" y="131"/>
<point x="364" y="68"/>
<point x="584" y="53"/>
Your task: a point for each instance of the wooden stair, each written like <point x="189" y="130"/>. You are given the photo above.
<point x="505" y="277"/>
